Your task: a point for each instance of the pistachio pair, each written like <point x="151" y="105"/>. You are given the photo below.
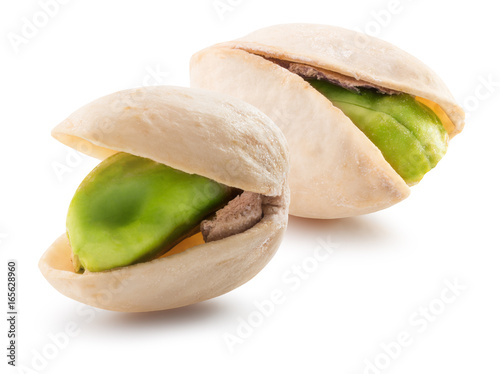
<point x="363" y="120"/>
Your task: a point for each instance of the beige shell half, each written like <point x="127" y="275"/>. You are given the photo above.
<point x="199" y="273"/>
<point x="191" y="130"/>
<point x="336" y="171"/>
<point x="355" y="55"/>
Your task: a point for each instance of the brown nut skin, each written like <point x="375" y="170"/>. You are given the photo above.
<point x="197" y="132"/>
<point x="335" y="170"/>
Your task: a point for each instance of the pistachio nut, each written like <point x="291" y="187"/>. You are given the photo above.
<point x="364" y="120"/>
<point x="177" y="161"/>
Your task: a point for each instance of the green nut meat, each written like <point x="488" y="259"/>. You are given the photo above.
<point x="408" y="133"/>
<point x="131" y="209"/>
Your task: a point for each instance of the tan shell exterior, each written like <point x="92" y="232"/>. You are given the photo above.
<point x="355" y="55"/>
<point x="199" y="132"/>
<point x="183" y="128"/>
<point x="335" y="169"/>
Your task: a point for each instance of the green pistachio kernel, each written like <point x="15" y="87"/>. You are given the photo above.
<point x="409" y="134"/>
<point x="131" y="209"/>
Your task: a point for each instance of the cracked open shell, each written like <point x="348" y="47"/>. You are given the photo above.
<point x="198" y="132"/>
<point x="335" y="170"/>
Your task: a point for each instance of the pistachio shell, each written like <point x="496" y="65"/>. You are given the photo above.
<point x="192" y="130"/>
<point x="199" y="273"/>
<point x="355" y="55"/>
<point x="335" y="171"/>
<point x="197" y="132"/>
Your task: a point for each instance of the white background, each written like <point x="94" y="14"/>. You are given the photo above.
<point x="384" y="268"/>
